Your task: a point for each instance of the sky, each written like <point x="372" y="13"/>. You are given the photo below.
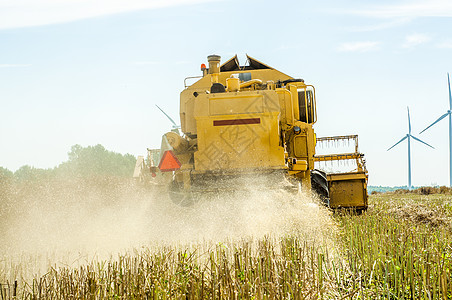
<point x="91" y="72"/>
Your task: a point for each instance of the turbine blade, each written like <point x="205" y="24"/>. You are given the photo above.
<point x="172" y="121"/>
<point x="421" y="141"/>
<point x="439" y="119"/>
<point x="404" y="138"/>
<point x="450" y="95"/>
<point x="409" y="121"/>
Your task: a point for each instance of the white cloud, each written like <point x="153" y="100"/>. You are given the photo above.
<point x="420" y="8"/>
<point x="416" y="39"/>
<point x="25" y="13"/>
<point x="382" y="25"/>
<point x="447" y="44"/>
<point x="359" y="46"/>
<point x="14" y="65"/>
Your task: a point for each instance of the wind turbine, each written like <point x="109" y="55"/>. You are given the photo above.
<point x="175" y="126"/>
<point x="409" y="136"/>
<point x="448" y="113"/>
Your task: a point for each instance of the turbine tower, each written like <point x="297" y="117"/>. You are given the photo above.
<point x="409" y="136"/>
<point x="448" y="113"/>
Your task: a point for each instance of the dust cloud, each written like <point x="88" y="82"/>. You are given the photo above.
<point x="78" y="220"/>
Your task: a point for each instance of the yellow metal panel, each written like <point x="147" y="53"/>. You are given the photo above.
<point x="234" y="103"/>
<point x="301" y="146"/>
<point x="301" y="165"/>
<point x="285" y="113"/>
<point x="238" y="131"/>
<point x="348" y="193"/>
<point x="296" y="108"/>
<point x="245" y="146"/>
<point x="346" y="176"/>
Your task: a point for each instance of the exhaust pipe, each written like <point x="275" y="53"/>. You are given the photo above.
<point x="214" y="63"/>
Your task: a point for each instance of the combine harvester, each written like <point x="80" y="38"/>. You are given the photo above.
<point x="240" y="123"/>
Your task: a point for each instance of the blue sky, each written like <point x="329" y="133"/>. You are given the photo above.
<point x="85" y="72"/>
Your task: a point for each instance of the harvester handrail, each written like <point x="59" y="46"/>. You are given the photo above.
<point x="314" y="103"/>
<point x="191" y="77"/>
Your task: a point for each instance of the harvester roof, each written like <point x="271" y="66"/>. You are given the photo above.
<point x="233" y="65"/>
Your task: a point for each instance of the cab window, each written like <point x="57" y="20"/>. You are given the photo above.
<point x="306" y="105"/>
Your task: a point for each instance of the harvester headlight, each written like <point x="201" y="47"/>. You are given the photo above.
<point x="296" y="130"/>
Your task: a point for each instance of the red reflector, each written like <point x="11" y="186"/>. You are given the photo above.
<point x="169" y="162"/>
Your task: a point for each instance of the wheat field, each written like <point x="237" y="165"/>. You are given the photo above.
<point x="107" y="239"/>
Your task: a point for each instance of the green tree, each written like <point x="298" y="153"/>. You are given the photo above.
<point x="5" y="173"/>
<point x="28" y="173"/>
<point x="6" y="178"/>
<point x="96" y="160"/>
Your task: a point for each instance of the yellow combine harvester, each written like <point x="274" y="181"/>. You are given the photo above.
<point x="240" y="123"/>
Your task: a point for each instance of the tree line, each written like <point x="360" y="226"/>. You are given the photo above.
<point x="85" y="162"/>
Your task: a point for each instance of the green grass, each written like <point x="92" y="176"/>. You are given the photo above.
<point x="401" y="248"/>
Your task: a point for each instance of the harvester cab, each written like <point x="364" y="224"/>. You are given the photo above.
<point x="253" y="121"/>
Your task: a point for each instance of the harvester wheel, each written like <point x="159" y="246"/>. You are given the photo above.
<point x="178" y="195"/>
<point x="319" y="184"/>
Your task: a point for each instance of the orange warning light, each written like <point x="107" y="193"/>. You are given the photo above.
<point x="169" y="162"/>
<point x="203" y="67"/>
